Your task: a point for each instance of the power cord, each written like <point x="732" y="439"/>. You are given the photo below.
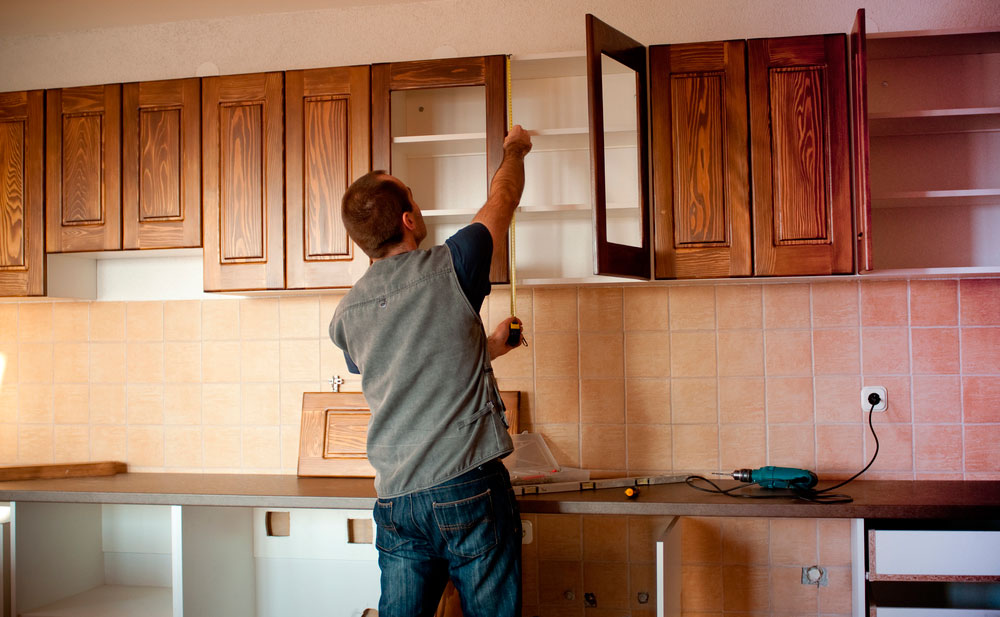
<point x="804" y="493"/>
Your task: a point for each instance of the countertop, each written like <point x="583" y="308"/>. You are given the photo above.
<point x="872" y="499"/>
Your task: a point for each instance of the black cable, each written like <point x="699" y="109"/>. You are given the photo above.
<point x="806" y="494"/>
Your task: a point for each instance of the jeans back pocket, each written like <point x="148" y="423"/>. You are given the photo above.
<point x="386" y="537"/>
<point x="468" y="525"/>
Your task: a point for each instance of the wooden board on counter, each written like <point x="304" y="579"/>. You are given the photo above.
<point x="68" y="470"/>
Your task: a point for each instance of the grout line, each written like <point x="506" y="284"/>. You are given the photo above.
<point x="961" y="377"/>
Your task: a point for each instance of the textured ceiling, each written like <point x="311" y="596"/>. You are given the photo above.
<point x="32" y="17"/>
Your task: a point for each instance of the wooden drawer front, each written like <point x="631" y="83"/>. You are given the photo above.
<point x="904" y="555"/>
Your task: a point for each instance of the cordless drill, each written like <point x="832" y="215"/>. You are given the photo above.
<point x="777" y="477"/>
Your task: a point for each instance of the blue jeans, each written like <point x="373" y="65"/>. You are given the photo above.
<point x="467" y="529"/>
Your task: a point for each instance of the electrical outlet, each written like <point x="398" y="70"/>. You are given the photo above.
<point x="526" y="532"/>
<point x="866" y="404"/>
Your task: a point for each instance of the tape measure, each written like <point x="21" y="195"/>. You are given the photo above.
<point x="515" y="335"/>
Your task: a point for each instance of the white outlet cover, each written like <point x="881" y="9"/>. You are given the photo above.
<point x="527" y="535"/>
<point x="880" y="390"/>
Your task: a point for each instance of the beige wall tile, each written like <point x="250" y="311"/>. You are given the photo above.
<point x="793" y="595"/>
<point x="979" y="351"/>
<point x="647" y="401"/>
<point x="182" y="403"/>
<point x="563" y="441"/>
<point x="220" y="320"/>
<point x="72" y="443"/>
<point x="144" y="321"/>
<point x="144" y="362"/>
<point x="299" y="360"/>
<point x="602" y="354"/>
<point x="885" y="351"/>
<point x="220" y="361"/>
<point x="646" y="308"/>
<point x="35" y="322"/>
<point x="692" y="308"/>
<point x="560" y="577"/>
<point x="789" y="400"/>
<point x="788" y="352"/>
<point x="70" y="321"/>
<point x="643" y="532"/>
<point x="837" y="398"/>
<point x="741" y="352"/>
<point x="71" y="403"/>
<point x="692" y="354"/>
<point x="647" y="354"/>
<point x="560" y="537"/>
<point x="694" y="400"/>
<point x="837" y="351"/>
<point x="220" y="404"/>
<point x="107" y="362"/>
<point x="791" y="445"/>
<point x="746" y="588"/>
<point x="107" y="321"/>
<point x="297" y="317"/>
<point x="36" y="362"/>
<point x="8" y="322"/>
<point x="71" y="362"/>
<point x="9" y="403"/>
<point x="327" y="305"/>
<point x="261" y="448"/>
<point x="555" y="309"/>
<point x="609" y="584"/>
<point x="8" y="363"/>
<point x="642" y="580"/>
<point x="182" y="320"/>
<point x="835" y="304"/>
<point x="182" y="362"/>
<point x="701" y="540"/>
<point x="35" y="444"/>
<point x="602" y="401"/>
<point x="517" y="363"/>
<point x="696" y="447"/>
<point x="8" y="443"/>
<point x="742" y="446"/>
<point x="649" y="447"/>
<point x="701" y="588"/>
<point x="332" y="362"/>
<point x="497" y="308"/>
<point x="793" y="541"/>
<point x="884" y="303"/>
<point x="261" y="406"/>
<point x="35" y="403"/>
<point x="746" y="541"/>
<point x="259" y="318"/>
<point x="835" y="598"/>
<point x="602" y="539"/>
<point x="895" y="448"/>
<point x="291" y="399"/>
<point x="787" y="306"/>
<point x="556" y="354"/>
<point x="145" y="446"/>
<point x="182" y="447"/>
<point x="739" y="306"/>
<point x="107" y="403"/>
<point x="980" y="302"/>
<point x="603" y="446"/>
<point x="144" y="403"/>
<point x="259" y="361"/>
<point x="934" y="303"/>
<point x="289" y="448"/>
<point x="839" y="448"/>
<point x="834" y="541"/>
<point x="557" y="400"/>
<point x="108" y="443"/>
<point x="741" y="399"/>
<point x="600" y="309"/>
<point x="223" y="445"/>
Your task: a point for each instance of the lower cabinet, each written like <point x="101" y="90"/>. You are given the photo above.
<point x="107" y="560"/>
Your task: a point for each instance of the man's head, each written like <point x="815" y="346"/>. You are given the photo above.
<point x="379" y="213"/>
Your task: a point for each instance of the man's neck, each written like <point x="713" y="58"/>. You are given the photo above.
<point x="405" y="246"/>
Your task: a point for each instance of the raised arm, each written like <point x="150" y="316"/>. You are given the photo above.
<point x="506" y="187"/>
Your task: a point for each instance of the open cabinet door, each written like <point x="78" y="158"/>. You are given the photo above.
<point x="861" y="152"/>
<point x="617" y="142"/>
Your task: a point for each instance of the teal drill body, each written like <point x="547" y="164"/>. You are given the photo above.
<point x="777" y="477"/>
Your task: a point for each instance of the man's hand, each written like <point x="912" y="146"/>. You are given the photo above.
<point x="517" y="142"/>
<point x="506" y="187"/>
<point x="496" y="344"/>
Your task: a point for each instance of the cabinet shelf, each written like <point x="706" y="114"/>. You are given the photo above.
<point x="963" y="197"/>
<point x="527" y="213"/>
<point x="934" y="121"/>
<point x="110" y="601"/>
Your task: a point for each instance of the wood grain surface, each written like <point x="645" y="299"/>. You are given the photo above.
<point x="22" y="234"/>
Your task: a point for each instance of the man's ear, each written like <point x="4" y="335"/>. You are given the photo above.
<point x="408" y="220"/>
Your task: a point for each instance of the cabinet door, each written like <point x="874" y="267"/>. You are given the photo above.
<point x="326" y="139"/>
<point x="488" y="72"/>
<point x="243" y="182"/>
<point x="22" y="234"/>
<point x="860" y="145"/>
<point x="622" y="249"/>
<point x="799" y="146"/>
<point x="701" y="184"/>
<point x="83" y="168"/>
<point x="161" y="164"/>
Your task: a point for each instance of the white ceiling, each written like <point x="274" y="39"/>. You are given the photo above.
<point x="32" y="17"/>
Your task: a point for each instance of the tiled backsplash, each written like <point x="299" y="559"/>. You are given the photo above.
<point x="619" y="379"/>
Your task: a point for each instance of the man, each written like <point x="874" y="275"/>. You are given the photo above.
<point x="411" y="327"/>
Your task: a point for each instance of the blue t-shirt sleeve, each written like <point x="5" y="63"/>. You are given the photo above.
<point x="472" y="252"/>
<point x="351" y="366"/>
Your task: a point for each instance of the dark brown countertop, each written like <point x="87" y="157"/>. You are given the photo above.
<point x="872" y="499"/>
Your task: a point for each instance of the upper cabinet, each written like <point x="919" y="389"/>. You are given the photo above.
<point x="22" y="233"/>
<point x="326" y="148"/>
<point x="438" y="126"/>
<point x="933" y="123"/>
<point x="161" y="164"/>
<point x="726" y="116"/>
<point x="243" y="181"/>
<point x="83" y="169"/>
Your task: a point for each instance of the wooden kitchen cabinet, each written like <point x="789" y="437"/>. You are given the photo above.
<point x="327" y="126"/>
<point x="22" y="231"/>
<point x="243" y="185"/>
<point x="439" y="125"/>
<point x="83" y="169"/>
<point x="161" y="164"/>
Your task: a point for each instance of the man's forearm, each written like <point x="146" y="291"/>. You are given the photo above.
<point x="505" y="189"/>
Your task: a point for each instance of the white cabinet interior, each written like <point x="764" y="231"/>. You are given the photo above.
<point x="934" y="120"/>
<point x="439" y="150"/>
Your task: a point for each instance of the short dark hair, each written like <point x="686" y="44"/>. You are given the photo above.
<point x="372" y="209"/>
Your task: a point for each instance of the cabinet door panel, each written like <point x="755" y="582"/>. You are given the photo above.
<point x="326" y="137"/>
<point x="243" y="185"/>
<point x="701" y="177"/>
<point x="161" y="164"/>
<point x="83" y="157"/>
<point x="22" y="235"/>
<point x="800" y="156"/>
